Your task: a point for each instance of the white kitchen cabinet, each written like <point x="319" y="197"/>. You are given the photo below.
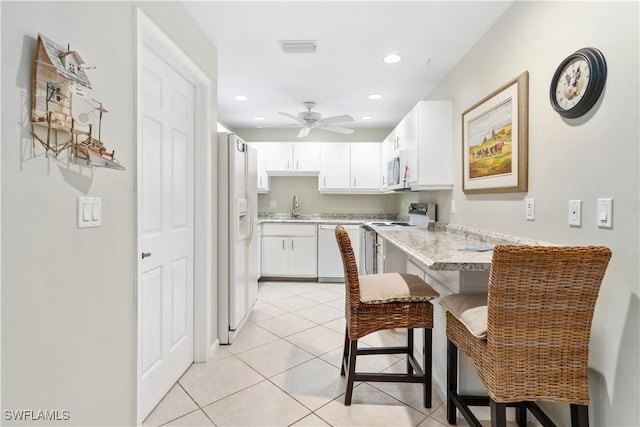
<point x="365" y="166"/>
<point x="289" y="250"/>
<point x="431" y="158"/>
<point x="303" y="256"/>
<point x="287" y="158"/>
<point x="426" y="134"/>
<point x="275" y="256"/>
<point x="263" y="178"/>
<point x="350" y="167"/>
<point x="335" y="166"/>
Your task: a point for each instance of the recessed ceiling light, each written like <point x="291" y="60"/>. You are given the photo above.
<point x="241" y="98"/>
<point x="258" y="118"/>
<point x="366" y="117"/>
<point x="392" y="58"/>
<point x="375" y="96"/>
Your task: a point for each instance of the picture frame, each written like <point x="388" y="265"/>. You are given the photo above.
<point x="495" y="134"/>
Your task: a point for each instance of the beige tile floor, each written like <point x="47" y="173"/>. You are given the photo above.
<point x="283" y="370"/>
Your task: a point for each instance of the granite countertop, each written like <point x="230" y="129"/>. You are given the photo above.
<point x="438" y="250"/>
<point x="441" y="247"/>
<point x="325" y="218"/>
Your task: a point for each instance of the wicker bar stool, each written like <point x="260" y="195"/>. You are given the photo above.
<point x="528" y="337"/>
<point x="376" y="302"/>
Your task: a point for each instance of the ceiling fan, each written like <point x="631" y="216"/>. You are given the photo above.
<point x="308" y="120"/>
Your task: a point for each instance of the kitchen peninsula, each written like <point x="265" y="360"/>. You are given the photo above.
<point x="439" y="256"/>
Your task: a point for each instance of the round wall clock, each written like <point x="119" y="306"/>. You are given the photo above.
<point x="578" y="82"/>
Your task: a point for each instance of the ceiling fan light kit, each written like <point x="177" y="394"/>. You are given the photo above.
<point x="307" y="120"/>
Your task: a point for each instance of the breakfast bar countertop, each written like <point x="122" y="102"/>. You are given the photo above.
<point x="443" y="248"/>
<point x="438" y="250"/>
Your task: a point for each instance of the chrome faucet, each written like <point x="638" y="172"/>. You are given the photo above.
<point x="295" y="211"/>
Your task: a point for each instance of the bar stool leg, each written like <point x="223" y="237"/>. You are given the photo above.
<point x="579" y="415"/>
<point x="452" y="380"/>
<point x="345" y="351"/>
<point x="521" y="414"/>
<point x="352" y="369"/>
<point x="409" y="350"/>
<point x="498" y="414"/>
<point x="427" y="362"/>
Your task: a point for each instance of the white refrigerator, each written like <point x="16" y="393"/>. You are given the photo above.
<point x="238" y="263"/>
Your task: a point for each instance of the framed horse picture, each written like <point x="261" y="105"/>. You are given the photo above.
<point x="495" y="140"/>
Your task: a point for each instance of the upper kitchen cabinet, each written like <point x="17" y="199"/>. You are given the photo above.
<point x="426" y="134"/>
<point x="297" y="158"/>
<point x="350" y="168"/>
<point x="263" y="178"/>
<point x="430" y="155"/>
<point x="365" y="166"/>
<point x="335" y="166"/>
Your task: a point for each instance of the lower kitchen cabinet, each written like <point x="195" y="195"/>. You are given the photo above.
<point x="289" y="250"/>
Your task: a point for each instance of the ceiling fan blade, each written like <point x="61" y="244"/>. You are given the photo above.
<point x="336" y="119"/>
<point x="338" y="129"/>
<point x="304" y="132"/>
<point x="291" y="116"/>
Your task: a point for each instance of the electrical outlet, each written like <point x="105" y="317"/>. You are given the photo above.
<point x="530" y="209"/>
<point x="575" y="212"/>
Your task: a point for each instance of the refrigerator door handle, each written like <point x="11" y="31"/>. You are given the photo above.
<point x="249" y="198"/>
<point x="250" y="218"/>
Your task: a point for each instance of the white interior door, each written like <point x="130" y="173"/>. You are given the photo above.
<point x="166" y="229"/>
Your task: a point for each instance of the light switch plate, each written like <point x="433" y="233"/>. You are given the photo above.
<point x="89" y="212"/>
<point x="530" y="209"/>
<point x="575" y="212"/>
<point x="604" y="214"/>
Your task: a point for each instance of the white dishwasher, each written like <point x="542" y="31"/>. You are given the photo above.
<point x="330" y="267"/>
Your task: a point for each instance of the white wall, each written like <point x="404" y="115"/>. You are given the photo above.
<point x="316" y="135"/>
<point x="586" y="158"/>
<point x="68" y="306"/>
<point x="312" y="201"/>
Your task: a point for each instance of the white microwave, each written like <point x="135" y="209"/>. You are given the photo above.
<point x="398" y="172"/>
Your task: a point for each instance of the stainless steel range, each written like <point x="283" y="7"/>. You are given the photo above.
<point x="420" y="214"/>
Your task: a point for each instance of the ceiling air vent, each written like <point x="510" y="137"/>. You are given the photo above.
<point x="298" y="46"/>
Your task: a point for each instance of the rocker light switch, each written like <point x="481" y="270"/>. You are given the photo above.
<point x="605" y="213"/>
<point x="89" y="212"/>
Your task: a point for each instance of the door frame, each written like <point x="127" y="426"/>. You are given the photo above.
<point x="152" y="37"/>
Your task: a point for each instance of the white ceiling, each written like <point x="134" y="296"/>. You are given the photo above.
<point x="352" y="38"/>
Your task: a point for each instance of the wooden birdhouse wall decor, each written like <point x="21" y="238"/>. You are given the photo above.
<point x="64" y="114"/>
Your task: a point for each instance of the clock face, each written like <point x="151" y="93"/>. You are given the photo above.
<point x="572" y="83"/>
<point x="578" y="82"/>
